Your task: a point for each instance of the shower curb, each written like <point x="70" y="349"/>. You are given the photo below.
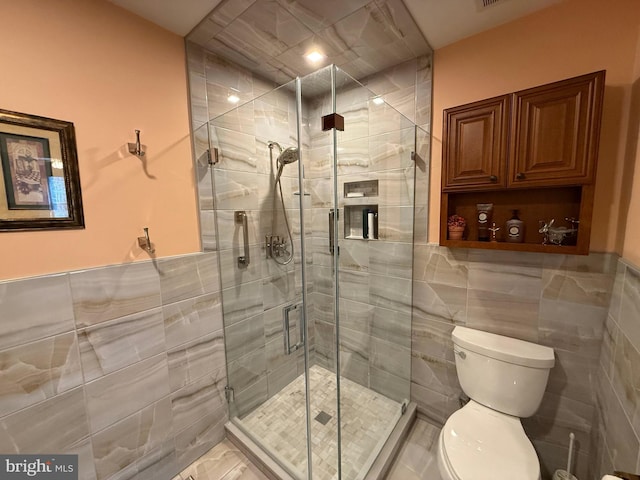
<point x="254" y="452"/>
<point x="274" y="471"/>
<point x="392" y="446"/>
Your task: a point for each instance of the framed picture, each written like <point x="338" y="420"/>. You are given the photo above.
<point x="40" y="184"/>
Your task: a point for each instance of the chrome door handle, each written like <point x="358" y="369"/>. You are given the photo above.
<point x="241" y="219"/>
<point x="332" y="219"/>
<point x="331" y="232"/>
<point x="288" y="348"/>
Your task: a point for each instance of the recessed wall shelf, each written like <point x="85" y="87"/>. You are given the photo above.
<point x="361" y="222"/>
<point x="365" y="188"/>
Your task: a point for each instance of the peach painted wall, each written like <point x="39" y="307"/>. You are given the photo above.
<point x="566" y="40"/>
<point x="109" y="72"/>
<point x="631" y="187"/>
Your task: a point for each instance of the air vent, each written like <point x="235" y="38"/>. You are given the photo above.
<point x="482" y="4"/>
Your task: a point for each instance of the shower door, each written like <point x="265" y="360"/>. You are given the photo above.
<point x="363" y="171"/>
<point x="257" y="199"/>
<point x="314" y="215"/>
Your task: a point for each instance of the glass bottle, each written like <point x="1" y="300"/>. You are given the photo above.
<point x="515" y="229"/>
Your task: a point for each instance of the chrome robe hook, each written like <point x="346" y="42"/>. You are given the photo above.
<point x="136" y="148"/>
<point x="145" y="242"/>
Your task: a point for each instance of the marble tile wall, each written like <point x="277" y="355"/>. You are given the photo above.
<point x="244" y="179"/>
<point x="377" y="143"/>
<point x="555" y="300"/>
<point x="617" y="418"/>
<point x="375" y="276"/>
<point x="123" y="365"/>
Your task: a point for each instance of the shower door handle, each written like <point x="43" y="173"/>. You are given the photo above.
<point x="241" y="219"/>
<point x="288" y="347"/>
<point x="332" y="232"/>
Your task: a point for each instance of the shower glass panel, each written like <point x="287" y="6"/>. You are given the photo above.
<point x="315" y="234"/>
<point x="256" y="147"/>
<point x="374" y="176"/>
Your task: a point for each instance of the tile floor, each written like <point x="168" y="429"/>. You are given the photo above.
<point x="222" y="462"/>
<point x="415" y="461"/>
<point x="417" y="458"/>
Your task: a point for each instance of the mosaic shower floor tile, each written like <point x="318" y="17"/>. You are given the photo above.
<point x="367" y="419"/>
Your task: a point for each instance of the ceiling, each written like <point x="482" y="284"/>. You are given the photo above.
<point x="442" y="22"/>
<point x="273" y="37"/>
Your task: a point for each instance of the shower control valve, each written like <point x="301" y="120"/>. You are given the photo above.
<point x="276" y="246"/>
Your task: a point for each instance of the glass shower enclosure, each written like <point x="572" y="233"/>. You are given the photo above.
<point x="313" y="187"/>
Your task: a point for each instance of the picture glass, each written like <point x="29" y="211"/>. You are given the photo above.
<point x="38" y="174"/>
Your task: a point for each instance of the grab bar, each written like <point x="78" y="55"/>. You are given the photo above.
<point x="241" y="219"/>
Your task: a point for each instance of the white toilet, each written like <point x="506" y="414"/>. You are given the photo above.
<point x="505" y="379"/>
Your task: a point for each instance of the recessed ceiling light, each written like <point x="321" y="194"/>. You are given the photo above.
<point x="378" y="100"/>
<point x="233" y="98"/>
<point x="314" y="56"/>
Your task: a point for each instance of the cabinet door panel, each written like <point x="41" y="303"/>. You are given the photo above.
<point x="554" y="134"/>
<point x="475" y="145"/>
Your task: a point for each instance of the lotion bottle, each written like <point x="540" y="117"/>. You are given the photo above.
<point x="515" y="229"/>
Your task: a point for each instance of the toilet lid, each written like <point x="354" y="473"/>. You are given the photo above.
<point x="482" y="444"/>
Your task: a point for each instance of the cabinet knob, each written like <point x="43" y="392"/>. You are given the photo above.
<point x="493" y="178"/>
<point x="519" y="176"/>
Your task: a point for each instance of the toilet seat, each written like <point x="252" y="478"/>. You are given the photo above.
<point x="478" y="443"/>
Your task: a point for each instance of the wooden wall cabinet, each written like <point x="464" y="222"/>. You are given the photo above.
<point x="534" y="151"/>
<point x="476" y="137"/>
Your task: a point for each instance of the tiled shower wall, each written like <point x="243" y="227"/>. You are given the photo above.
<point x="254" y="296"/>
<point x="555" y="300"/>
<point x="375" y="275"/>
<point x="243" y="181"/>
<point x="617" y="419"/>
<point x="123" y="365"/>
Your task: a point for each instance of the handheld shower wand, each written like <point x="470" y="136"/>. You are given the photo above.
<point x="276" y="247"/>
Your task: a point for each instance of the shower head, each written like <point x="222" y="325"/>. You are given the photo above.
<point x="288" y="155"/>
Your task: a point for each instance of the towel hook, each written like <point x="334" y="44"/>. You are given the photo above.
<point x="136" y="148"/>
<point x="145" y="242"/>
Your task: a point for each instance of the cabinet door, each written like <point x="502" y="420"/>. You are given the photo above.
<point x="555" y="131"/>
<point x="475" y="145"/>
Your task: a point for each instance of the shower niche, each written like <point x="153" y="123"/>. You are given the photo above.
<point x="365" y="188"/>
<point x="361" y="217"/>
<point x="361" y="222"/>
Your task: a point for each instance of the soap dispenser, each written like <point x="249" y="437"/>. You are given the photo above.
<point x="515" y="229"/>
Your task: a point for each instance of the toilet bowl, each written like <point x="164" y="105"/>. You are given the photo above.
<point x="477" y="443"/>
<point x="505" y="379"/>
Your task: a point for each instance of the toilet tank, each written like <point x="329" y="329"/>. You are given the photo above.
<point x="502" y="373"/>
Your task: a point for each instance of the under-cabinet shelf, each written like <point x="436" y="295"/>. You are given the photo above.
<point x="514" y="247"/>
<point x="534" y="205"/>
